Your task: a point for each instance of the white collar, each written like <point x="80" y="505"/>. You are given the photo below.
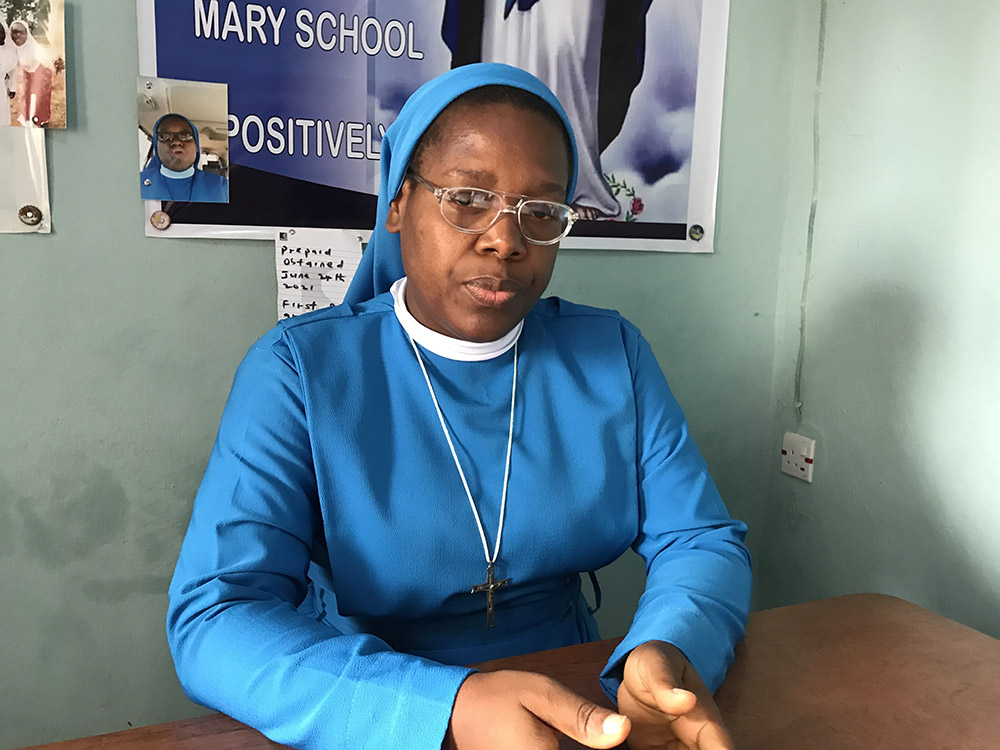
<point x="446" y="346"/>
<point x="172" y="175"/>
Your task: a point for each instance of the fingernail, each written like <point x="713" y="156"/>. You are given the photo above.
<point x="613" y="724"/>
<point x="680" y="691"/>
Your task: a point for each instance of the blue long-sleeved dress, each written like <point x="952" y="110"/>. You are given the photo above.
<point x="322" y="593"/>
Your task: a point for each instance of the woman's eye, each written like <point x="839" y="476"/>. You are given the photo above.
<point x="470" y="198"/>
<point x="541" y="211"/>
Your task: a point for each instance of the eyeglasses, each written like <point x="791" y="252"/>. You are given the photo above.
<point x="475" y="210"/>
<point x="169" y="137"/>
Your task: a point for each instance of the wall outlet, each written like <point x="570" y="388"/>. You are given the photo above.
<point x="797" y="453"/>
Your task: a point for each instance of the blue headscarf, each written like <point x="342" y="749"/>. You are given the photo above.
<point x="382" y="263"/>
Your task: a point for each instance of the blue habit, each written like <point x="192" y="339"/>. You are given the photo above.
<point x="323" y="586"/>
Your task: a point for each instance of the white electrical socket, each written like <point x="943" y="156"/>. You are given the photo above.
<point x="797" y="453"/>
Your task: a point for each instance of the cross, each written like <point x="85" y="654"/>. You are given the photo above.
<point x="489" y="587"/>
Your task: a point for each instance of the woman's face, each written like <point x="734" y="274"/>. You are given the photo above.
<point x="478" y="287"/>
<point x="175" y="154"/>
<point x="18" y="34"/>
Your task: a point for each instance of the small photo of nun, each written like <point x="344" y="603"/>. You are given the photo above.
<point x="183" y="140"/>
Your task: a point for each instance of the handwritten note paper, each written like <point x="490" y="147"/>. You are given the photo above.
<point x="314" y="267"/>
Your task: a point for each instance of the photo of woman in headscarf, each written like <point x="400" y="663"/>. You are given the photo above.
<point x="36" y="70"/>
<point x="8" y="66"/>
<point x="173" y="172"/>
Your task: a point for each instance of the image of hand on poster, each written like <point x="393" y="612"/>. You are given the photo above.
<point x="32" y="63"/>
<point x="24" y="190"/>
<point x="183" y="144"/>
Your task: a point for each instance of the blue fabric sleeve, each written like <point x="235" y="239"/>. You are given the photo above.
<point x="240" y="643"/>
<point x="698" y="580"/>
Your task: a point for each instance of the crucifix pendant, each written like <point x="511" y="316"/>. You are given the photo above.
<point x="489" y="588"/>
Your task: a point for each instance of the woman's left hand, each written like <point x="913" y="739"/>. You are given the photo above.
<point x="667" y="702"/>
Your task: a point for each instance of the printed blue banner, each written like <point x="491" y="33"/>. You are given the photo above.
<point x="313" y="84"/>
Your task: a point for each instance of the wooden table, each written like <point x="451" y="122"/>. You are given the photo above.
<point x="865" y="671"/>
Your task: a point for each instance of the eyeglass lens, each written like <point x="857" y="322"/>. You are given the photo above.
<point x="475" y="210"/>
<point x="168" y="137"/>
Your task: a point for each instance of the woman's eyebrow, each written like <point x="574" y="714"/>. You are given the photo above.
<point x="482" y="177"/>
<point x="477" y="175"/>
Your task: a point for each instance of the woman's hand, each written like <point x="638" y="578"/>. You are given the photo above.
<point x="667" y="703"/>
<point x="527" y="711"/>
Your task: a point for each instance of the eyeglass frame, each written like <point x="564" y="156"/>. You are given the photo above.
<point x="171" y="137"/>
<point x="515" y="209"/>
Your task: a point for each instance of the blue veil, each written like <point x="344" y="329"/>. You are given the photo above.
<point x="382" y="263"/>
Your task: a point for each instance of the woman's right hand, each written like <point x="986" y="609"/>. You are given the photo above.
<point x="527" y="711"/>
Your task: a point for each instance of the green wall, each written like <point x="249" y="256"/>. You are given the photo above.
<point x="118" y="350"/>
<point x="900" y="360"/>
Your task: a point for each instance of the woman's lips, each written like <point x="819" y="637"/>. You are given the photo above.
<point x="492" y="292"/>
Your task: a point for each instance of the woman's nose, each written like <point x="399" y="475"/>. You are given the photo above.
<point x="504" y="236"/>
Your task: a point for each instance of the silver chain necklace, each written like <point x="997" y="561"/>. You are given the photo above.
<point x="490" y="586"/>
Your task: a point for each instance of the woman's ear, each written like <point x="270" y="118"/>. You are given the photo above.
<point x="394" y="219"/>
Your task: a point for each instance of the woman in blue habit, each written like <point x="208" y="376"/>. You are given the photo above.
<point x="173" y="172"/>
<point x="414" y="480"/>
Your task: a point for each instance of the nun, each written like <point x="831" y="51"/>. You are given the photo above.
<point x="173" y="172"/>
<point x="415" y="480"/>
